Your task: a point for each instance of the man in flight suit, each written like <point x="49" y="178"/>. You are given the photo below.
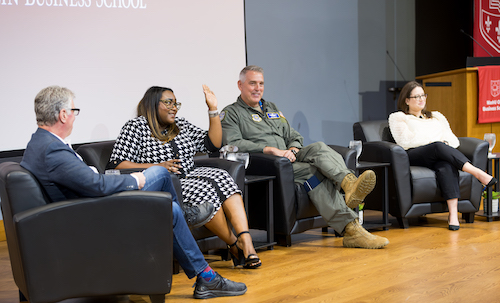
<point x="257" y="126"/>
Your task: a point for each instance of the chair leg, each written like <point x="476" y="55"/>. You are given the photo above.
<point x="403" y="222"/>
<point x="468" y="217"/>
<point x="157" y="298"/>
<point x="175" y="267"/>
<point x="22" y="298"/>
<point x="225" y="254"/>
<point x="283" y="240"/>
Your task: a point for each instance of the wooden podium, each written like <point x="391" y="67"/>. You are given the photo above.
<point x="455" y="94"/>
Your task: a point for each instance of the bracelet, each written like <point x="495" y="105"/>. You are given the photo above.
<point x="213" y="113"/>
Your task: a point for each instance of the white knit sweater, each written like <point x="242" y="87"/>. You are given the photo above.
<point x="410" y="131"/>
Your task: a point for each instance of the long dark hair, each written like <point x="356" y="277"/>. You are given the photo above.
<point x="405" y="93"/>
<point x="148" y="107"/>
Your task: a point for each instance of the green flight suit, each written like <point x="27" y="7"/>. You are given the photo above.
<point x="251" y="131"/>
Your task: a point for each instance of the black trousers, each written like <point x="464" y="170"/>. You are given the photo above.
<point x="445" y="160"/>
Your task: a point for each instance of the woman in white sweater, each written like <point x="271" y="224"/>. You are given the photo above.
<point x="429" y="142"/>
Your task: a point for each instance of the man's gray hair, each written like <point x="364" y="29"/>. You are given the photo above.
<point x="49" y="102"/>
<point x="253" y="68"/>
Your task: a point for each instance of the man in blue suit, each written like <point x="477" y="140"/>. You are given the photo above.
<point x="64" y="175"/>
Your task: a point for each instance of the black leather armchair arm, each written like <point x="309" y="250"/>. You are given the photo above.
<point x="259" y="163"/>
<point x="235" y="169"/>
<point x="111" y="243"/>
<point x="400" y="175"/>
<point x="474" y="149"/>
<point x="348" y="154"/>
<point x="284" y="187"/>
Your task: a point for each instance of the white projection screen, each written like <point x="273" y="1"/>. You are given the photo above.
<point x="109" y="52"/>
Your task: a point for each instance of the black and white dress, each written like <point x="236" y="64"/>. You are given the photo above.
<point x="199" y="184"/>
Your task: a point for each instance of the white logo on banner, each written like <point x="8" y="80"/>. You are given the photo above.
<point x="489" y="22"/>
<point x="495" y="88"/>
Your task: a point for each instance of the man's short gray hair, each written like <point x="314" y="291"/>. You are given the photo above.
<point x="49" y="102"/>
<point x="253" y="68"/>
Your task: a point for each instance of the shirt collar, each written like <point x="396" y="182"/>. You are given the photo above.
<point x="262" y="103"/>
<point x="67" y="142"/>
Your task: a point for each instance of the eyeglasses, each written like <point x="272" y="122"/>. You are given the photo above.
<point x="171" y="103"/>
<point x="423" y="97"/>
<point x="76" y="111"/>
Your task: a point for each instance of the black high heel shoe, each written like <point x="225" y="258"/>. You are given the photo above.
<point x="240" y="258"/>
<point x="251" y="261"/>
<point x="453" y="227"/>
<point x="492" y="182"/>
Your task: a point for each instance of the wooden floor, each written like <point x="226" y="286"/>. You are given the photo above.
<point x="425" y="263"/>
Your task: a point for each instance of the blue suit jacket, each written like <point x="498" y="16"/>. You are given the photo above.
<point x="64" y="175"/>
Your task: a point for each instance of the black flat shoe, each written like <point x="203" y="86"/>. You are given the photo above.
<point x="453" y="227"/>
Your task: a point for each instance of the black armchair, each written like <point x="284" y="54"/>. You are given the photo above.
<point x="88" y="247"/>
<point x="293" y="211"/>
<point x="98" y="154"/>
<point x="413" y="190"/>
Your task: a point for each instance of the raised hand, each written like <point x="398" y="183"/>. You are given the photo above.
<point x="210" y="98"/>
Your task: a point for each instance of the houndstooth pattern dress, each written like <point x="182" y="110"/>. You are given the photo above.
<point x="199" y="184"/>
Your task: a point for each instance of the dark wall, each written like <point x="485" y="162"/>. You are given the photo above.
<point x="440" y="46"/>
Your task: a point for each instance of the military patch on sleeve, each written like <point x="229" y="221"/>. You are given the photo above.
<point x="222" y="115"/>
<point x="273" y="116"/>
<point x="256" y="118"/>
<point x="281" y="115"/>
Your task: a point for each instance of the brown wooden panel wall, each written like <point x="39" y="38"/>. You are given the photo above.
<point x="455" y="95"/>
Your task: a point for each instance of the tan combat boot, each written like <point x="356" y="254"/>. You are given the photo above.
<point x="356" y="236"/>
<point x="356" y="189"/>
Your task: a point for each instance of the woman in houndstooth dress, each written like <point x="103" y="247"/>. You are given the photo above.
<point x="158" y="137"/>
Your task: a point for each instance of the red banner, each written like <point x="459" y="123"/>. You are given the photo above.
<point x="489" y="94"/>
<point x="487" y="28"/>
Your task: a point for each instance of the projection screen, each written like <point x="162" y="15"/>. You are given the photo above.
<point x="109" y="52"/>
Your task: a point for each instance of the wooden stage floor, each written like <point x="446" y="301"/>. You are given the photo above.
<point x="425" y="263"/>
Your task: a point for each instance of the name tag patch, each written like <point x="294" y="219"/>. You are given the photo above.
<point x="273" y="115"/>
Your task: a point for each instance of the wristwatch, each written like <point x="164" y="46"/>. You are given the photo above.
<point x="294" y="152"/>
<point x="213" y="113"/>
